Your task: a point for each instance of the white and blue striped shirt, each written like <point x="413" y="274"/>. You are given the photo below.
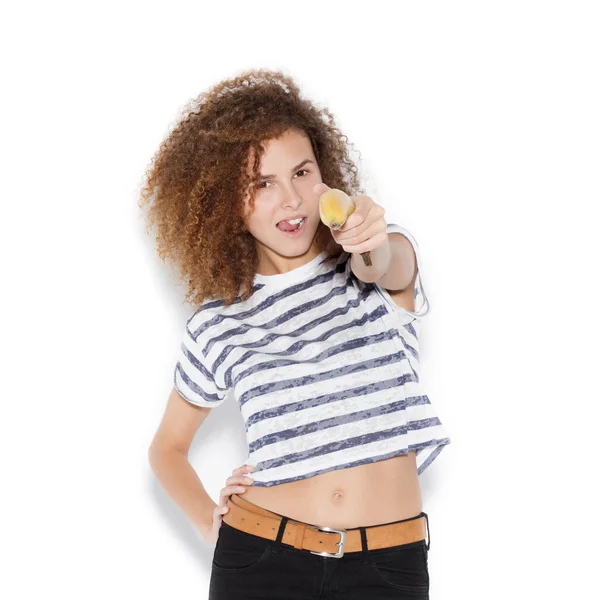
<point x="323" y="366"/>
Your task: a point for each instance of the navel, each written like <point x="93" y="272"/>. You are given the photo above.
<point x="338" y="495"/>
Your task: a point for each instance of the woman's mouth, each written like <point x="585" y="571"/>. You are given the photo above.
<point x="292" y="228"/>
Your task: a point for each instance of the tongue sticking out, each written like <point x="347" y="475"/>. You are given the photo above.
<point x="285" y="226"/>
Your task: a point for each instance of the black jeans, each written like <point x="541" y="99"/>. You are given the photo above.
<point x="247" y="566"/>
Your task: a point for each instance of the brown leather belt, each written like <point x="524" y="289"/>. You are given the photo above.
<point x="326" y="541"/>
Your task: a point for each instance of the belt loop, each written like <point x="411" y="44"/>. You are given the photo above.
<point x="365" y="547"/>
<point x="428" y="536"/>
<point x="282" y="524"/>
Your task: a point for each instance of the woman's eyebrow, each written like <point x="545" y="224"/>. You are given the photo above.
<point x="304" y="162"/>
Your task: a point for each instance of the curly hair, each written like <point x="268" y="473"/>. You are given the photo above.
<point x="197" y="181"/>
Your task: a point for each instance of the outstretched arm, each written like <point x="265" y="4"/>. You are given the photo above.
<point x="394" y="264"/>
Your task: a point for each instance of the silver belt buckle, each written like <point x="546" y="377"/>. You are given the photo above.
<point x="341" y="543"/>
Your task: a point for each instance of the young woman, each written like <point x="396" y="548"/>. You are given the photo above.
<point x="319" y="350"/>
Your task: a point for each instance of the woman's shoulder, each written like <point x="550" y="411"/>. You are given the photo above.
<point x="214" y="313"/>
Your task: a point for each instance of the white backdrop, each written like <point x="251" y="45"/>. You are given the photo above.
<point x="478" y="128"/>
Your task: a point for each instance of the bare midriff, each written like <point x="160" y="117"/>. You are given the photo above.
<point x="379" y="492"/>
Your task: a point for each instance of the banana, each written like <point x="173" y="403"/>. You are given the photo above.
<point x="335" y="207"/>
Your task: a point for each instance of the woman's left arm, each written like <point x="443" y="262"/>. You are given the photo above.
<point x="394" y="264"/>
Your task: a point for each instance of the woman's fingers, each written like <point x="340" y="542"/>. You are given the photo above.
<point x="239" y="479"/>
<point x="235" y="484"/>
<point x="242" y="469"/>
<point x="239" y="475"/>
<point x="228" y="490"/>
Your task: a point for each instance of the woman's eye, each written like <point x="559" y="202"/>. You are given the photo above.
<point x="262" y="184"/>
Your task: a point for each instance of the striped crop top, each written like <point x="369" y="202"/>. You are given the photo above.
<point x="323" y="366"/>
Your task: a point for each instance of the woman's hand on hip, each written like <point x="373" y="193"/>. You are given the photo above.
<point x="235" y="484"/>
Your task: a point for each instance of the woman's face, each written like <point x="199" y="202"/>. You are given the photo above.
<point x="289" y="172"/>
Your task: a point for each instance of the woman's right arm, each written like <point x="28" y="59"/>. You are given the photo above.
<point x="168" y="457"/>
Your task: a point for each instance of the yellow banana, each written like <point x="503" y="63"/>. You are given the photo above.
<point x="335" y="207"/>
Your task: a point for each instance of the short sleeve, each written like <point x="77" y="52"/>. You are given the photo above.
<point x="192" y="377"/>
<point x="421" y="301"/>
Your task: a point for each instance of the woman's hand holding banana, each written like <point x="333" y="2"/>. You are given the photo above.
<point x="357" y="222"/>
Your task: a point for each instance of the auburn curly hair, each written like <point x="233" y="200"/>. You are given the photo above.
<point x="197" y="180"/>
